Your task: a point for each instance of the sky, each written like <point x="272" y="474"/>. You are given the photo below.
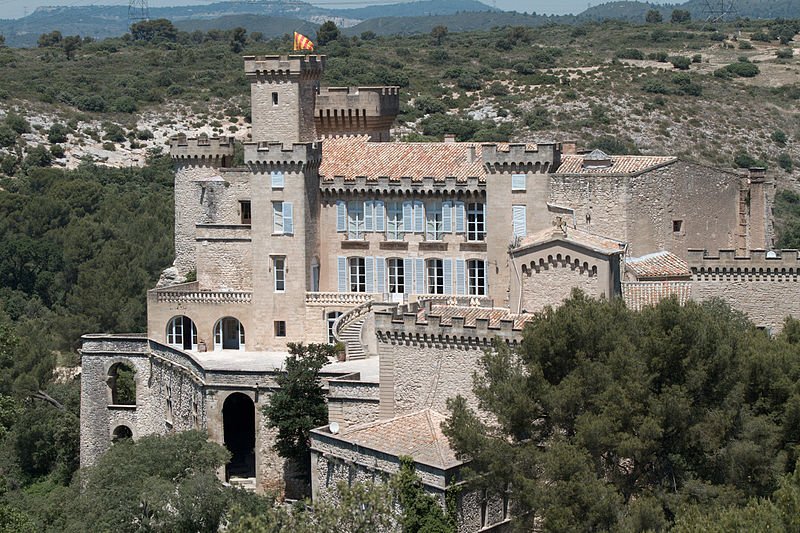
<point x="19" y="8"/>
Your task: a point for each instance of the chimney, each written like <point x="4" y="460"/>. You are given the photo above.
<point x="449" y="137"/>
<point x="569" y="148"/>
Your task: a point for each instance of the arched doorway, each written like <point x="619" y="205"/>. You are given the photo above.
<point x="239" y="426"/>
<point x="121" y="433"/>
<point x="182" y="333"/>
<point x="228" y="334"/>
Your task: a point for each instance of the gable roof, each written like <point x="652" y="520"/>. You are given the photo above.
<point x="661" y="264"/>
<point x="620" y="164"/>
<point x="640" y="294"/>
<point x="585" y="239"/>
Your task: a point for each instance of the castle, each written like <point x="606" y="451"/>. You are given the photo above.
<point x="415" y="256"/>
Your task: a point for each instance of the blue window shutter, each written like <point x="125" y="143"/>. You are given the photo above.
<point x="518" y="182"/>
<point x="380" y="218"/>
<point x="288" y="222"/>
<point x="341" y="263"/>
<point x="419" y="217"/>
<point x="408" y="217"/>
<point x="277" y="217"/>
<point x="461" y="274"/>
<point x="447" y="264"/>
<point x="460" y="217"/>
<point x="341" y="216"/>
<point x="369" y="216"/>
<point x="485" y="278"/>
<point x="408" y="275"/>
<point x="519" y="220"/>
<point x="419" y="276"/>
<point x="447" y="217"/>
<point x="380" y="274"/>
<point x="369" y="271"/>
<point x="277" y="179"/>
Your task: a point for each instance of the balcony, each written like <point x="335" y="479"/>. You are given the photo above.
<point x="340" y="298"/>
<point x="191" y="293"/>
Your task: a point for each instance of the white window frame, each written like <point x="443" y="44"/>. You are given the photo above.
<point x="357" y="274"/>
<point x="282" y="218"/>
<point x="355" y="221"/>
<point x="279" y="273"/>
<point x="434" y="270"/>
<point x="218" y="340"/>
<point x="476" y="277"/>
<point x="176" y="333"/>
<point x="394" y="221"/>
<point x="397" y="275"/>
<point x="330" y="319"/>
<point x="434" y="221"/>
<point x="476" y="222"/>
<point x="519" y="182"/>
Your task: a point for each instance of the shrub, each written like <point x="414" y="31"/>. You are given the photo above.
<point x="469" y="82"/>
<point x="655" y="86"/>
<point x="144" y="135"/>
<point x="57" y="151"/>
<point x="7" y="136"/>
<point x="438" y="57"/>
<point x="745" y="45"/>
<point x="784" y="53"/>
<point x="614" y="145"/>
<point x="697" y="58"/>
<point x="761" y="37"/>
<point x="779" y="137"/>
<point x="742" y="69"/>
<point x="114" y="133"/>
<point x="38" y="157"/>
<point x="659" y="36"/>
<point x="681" y="62"/>
<point x="661" y="57"/>
<point x="124" y="104"/>
<point x="680" y="15"/>
<point x="653" y="16"/>
<point x="745" y="160"/>
<point x="785" y="162"/>
<point x="630" y="53"/>
<point x="498" y="89"/>
<point x="111" y="147"/>
<point x="524" y="68"/>
<point x="368" y="35"/>
<point x="537" y="119"/>
<point x="428" y="105"/>
<point x="91" y="102"/>
<point x="717" y="37"/>
<point x="57" y="133"/>
<point x="18" y="123"/>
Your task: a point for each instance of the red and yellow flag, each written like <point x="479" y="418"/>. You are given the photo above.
<point x="301" y="42"/>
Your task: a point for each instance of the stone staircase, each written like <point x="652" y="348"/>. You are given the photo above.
<point x="351" y="337"/>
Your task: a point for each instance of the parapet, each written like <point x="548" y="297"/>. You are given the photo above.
<point x="217" y="150"/>
<point x="759" y="263"/>
<point x="276" y="66"/>
<point x="279" y="154"/>
<point x="539" y="158"/>
<point x="342" y="111"/>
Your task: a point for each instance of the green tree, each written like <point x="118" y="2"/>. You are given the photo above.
<point x="50" y="39"/>
<point x="438" y="33"/>
<point x="421" y="512"/>
<point x="57" y="133"/>
<point x="17" y="123"/>
<point x="327" y="32"/>
<point x="238" y="39"/>
<point x="653" y="16"/>
<point x="680" y="15"/>
<point x="155" y="30"/>
<point x="299" y="405"/>
<point x="70" y="45"/>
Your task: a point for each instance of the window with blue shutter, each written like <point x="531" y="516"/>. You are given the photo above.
<point x="369" y="215"/>
<point x="379" y="216"/>
<point x="518" y="182"/>
<point x="341" y="216"/>
<point x="461" y="276"/>
<point x="341" y="266"/>
<point x="460" y="226"/>
<point x="277" y="218"/>
<point x="408" y="269"/>
<point x="277" y="179"/>
<point x="447" y="217"/>
<point x="380" y="275"/>
<point x="419" y="216"/>
<point x="288" y="222"/>
<point x="448" y="276"/>
<point x="369" y="268"/>
<point x="485" y="277"/>
<point x="419" y="276"/>
<point x="408" y="217"/>
<point x="519" y="220"/>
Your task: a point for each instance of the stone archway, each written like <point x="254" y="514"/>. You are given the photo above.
<point x="239" y="426"/>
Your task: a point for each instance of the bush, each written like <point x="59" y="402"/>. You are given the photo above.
<point x="18" y="123"/>
<point x="57" y="151"/>
<point x="761" y="37"/>
<point x="779" y="137"/>
<point x="661" y="57"/>
<point x="614" y="145"/>
<point x="91" y="102"/>
<point x="57" y="133"/>
<point x="697" y="58"/>
<point x="438" y="56"/>
<point x="428" y="105"/>
<point x="537" y="119"/>
<point x="745" y="45"/>
<point x="144" y="135"/>
<point x="717" y="37"/>
<point x="653" y="16"/>
<point x="681" y="62"/>
<point x="124" y="104"/>
<point x="498" y="89"/>
<point x="38" y="157"/>
<point x="745" y="160"/>
<point x="659" y="36"/>
<point x="655" y="87"/>
<point x="742" y="69"/>
<point x="630" y="53"/>
<point x="469" y="82"/>
<point x="785" y="162"/>
<point x="7" y="136"/>
<point x="784" y="53"/>
<point x="114" y="133"/>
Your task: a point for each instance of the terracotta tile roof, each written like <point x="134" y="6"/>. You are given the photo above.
<point x="658" y="265"/>
<point x="620" y="164"/>
<point x="641" y="294"/>
<point x="353" y="157"/>
<point x="417" y="434"/>
<point x="471" y="314"/>
<point x="593" y="241"/>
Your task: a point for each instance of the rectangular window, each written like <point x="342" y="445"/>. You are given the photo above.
<point x="476" y="221"/>
<point x="518" y="182"/>
<point x="358" y="274"/>
<point x="677" y="226"/>
<point x="282" y="222"/>
<point x="279" y="271"/>
<point x="519" y="220"/>
<point x="476" y="276"/>
<point x="280" y="328"/>
<point x="244" y="210"/>
<point x="355" y="220"/>
<point x="434" y="225"/>
<point x="435" y="276"/>
<point x="274" y="98"/>
<point x="397" y="278"/>
<point x="394" y="221"/>
<point x="276" y="176"/>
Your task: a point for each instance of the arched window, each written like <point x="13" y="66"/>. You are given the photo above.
<point x="122" y="382"/>
<point x="228" y="334"/>
<point x="332" y="316"/>
<point x="121" y="433"/>
<point x="182" y="333"/>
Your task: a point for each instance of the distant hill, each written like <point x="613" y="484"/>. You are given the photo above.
<point x="454" y="23"/>
<point x="269" y="26"/>
<point x="636" y="11"/>
<point x="414" y="9"/>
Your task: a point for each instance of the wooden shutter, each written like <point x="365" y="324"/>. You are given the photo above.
<point x="408" y="217"/>
<point x="518" y="182"/>
<point x="461" y="275"/>
<point x="419" y="276"/>
<point x="408" y="275"/>
<point x="448" y="276"/>
<point x="460" y="226"/>
<point x="419" y="217"/>
<point x="277" y="179"/>
<point x="288" y="222"/>
<point x="380" y="217"/>
<point x="341" y="216"/>
<point x="485" y="277"/>
<point x="380" y="275"/>
<point x="519" y="220"/>
<point x="369" y="216"/>
<point x="369" y="271"/>
<point x="447" y="217"/>
<point x="341" y="265"/>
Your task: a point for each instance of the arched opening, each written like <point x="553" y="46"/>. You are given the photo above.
<point x="332" y="316"/>
<point x="121" y="433"/>
<point x="239" y="423"/>
<point x="182" y="333"/>
<point x="122" y="382"/>
<point x="228" y="334"/>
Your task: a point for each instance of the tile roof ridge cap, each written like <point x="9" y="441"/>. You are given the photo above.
<point x="435" y="434"/>
<point x="384" y="421"/>
<point x="651" y="255"/>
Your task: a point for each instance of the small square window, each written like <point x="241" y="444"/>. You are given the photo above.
<point x="244" y="209"/>
<point x="677" y="226"/>
<point x="280" y="328"/>
<point x="274" y="98"/>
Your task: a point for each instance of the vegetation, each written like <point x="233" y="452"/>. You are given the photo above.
<point x="612" y="418"/>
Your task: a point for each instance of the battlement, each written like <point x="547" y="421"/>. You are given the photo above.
<point x="216" y="149"/>
<point x="276" y="66"/>
<point x="758" y="263"/>
<point x="544" y="158"/>
<point x="279" y="154"/>
<point x="342" y="111"/>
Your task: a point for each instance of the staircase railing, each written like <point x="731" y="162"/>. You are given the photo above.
<point x="349" y="317"/>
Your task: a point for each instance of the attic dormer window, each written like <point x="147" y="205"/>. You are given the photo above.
<point x="596" y="159"/>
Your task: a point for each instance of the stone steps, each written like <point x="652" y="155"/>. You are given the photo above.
<point x="351" y="337"/>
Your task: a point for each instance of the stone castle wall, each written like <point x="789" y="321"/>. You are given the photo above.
<point x="553" y="282"/>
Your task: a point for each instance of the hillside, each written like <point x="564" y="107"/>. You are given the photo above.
<point x="269" y="26"/>
<point x="635" y="11"/>
<point x="454" y="23"/>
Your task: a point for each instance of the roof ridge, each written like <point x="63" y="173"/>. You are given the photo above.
<point x="433" y="429"/>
